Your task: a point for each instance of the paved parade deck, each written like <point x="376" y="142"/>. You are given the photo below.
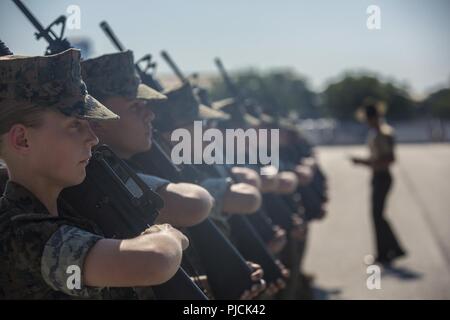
<point x="419" y="211"/>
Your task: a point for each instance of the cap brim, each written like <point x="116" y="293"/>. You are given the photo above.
<point x="206" y="113"/>
<point x="144" y="92"/>
<point x="251" y="120"/>
<point x="223" y="104"/>
<point x="94" y="110"/>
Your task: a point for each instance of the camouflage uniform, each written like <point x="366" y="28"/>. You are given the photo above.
<point x="37" y="249"/>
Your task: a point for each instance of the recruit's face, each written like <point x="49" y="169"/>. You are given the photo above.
<point x="60" y="148"/>
<point x="132" y="133"/>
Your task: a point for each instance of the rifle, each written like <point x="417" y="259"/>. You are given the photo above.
<point x="173" y="66"/>
<point x="56" y="43"/>
<point x="234" y="91"/>
<point x="144" y="73"/>
<point x="122" y="205"/>
<point x="200" y="93"/>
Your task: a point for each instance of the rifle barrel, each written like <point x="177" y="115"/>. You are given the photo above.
<point x="230" y="85"/>
<point x="172" y="65"/>
<point x="107" y="29"/>
<point x="33" y="20"/>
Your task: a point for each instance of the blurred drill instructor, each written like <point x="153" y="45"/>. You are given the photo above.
<point x="381" y="146"/>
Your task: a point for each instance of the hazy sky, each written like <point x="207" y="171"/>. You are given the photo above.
<point x="320" y="39"/>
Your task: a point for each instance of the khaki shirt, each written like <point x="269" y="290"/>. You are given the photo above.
<point x="381" y="143"/>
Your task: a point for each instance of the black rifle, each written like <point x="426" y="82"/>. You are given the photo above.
<point x="234" y="91"/>
<point x="123" y="206"/>
<point x="173" y="66"/>
<point x="56" y="43"/>
<point x="200" y="93"/>
<point x="144" y="73"/>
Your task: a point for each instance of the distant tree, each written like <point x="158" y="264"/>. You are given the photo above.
<point x="280" y="91"/>
<point x="341" y="99"/>
<point x="438" y="103"/>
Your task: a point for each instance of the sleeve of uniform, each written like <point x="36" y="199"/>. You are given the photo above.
<point x="62" y="261"/>
<point x="153" y="182"/>
<point x="44" y="249"/>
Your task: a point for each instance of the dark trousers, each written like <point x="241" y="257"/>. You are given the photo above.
<point x="388" y="246"/>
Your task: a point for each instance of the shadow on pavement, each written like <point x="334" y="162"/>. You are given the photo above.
<point x="402" y="273"/>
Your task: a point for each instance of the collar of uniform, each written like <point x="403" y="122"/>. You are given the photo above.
<point x="23" y="198"/>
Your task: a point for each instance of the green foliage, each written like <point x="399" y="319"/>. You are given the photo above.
<point x="277" y="91"/>
<point x="438" y="103"/>
<point x="284" y="90"/>
<point x="342" y="98"/>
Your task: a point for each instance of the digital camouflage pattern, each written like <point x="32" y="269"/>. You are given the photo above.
<point x="50" y="82"/>
<point x="182" y="108"/>
<point x="36" y="248"/>
<point x="115" y="75"/>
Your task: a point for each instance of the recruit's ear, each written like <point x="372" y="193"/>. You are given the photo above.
<point x="17" y="139"/>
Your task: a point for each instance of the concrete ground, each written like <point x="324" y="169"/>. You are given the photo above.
<point x="340" y="246"/>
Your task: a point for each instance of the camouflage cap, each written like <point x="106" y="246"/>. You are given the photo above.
<point x="287" y="124"/>
<point x="182" y="107"/>
<point x="115" y="75"/>
<point x="207" y="113"/>
<point x="238" y="115"/>
<point x="49" y="81"/>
